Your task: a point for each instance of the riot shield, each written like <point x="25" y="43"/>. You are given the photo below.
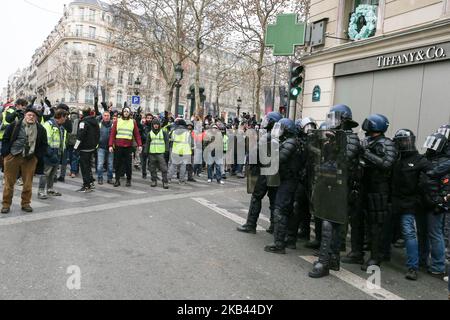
<point x="329" y="176"/>
<point x="253" y="172"/>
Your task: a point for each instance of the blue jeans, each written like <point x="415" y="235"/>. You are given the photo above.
<point x="436" y="240"/>
<point x="102" y="155"/>
<point x="218" y="172"/>
<point x="411" y="244"/>
<point x="74" y="160"/>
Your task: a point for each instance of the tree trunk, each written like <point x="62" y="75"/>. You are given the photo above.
<point x="258" y="84"/>
<point x="198" y="104"/>
<point x="169" y="103"/>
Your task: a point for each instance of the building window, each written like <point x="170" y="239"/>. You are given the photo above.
<point x="108" y="73"/>
<point x="372" y="2"/>
<point x="119" y="99"/>
<point x="131" y="79"/>
<point x="90" y="94"/>
<point x="76" y="68"/>
<point x="91" y="15"/>
<point x="92" y="50"/>
<point x="120" y="78"/>
<point x="156" y="106"/>
<point x="90" y="71"/>
<point x="92" y="31"/>
<point x="81" y="10"/>
<point x="79" y="30"/>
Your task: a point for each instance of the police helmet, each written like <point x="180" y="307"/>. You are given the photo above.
<point x="436" y="143"/>
<point x="445" y="130"/>
<point x="308" y="124"/>
<point x="284" y="127"/>
<point x="405" y="140"/>
<point x="270" y="119"/>
<point x="341" y="116"/>
<point x="376" y="123"/>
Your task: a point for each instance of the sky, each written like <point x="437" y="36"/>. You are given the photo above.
<point x="24" y="27"/>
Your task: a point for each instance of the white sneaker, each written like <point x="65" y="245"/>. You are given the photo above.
<point x="209" y="180"/>
<point x="221" y="182"/>
<point x="20" y="182"/>
<point x="446" y="279"/>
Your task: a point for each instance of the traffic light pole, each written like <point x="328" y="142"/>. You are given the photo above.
<point x="292" y="109"/>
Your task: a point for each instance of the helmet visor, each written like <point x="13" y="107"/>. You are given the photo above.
<point x="334" y="119"/>
<point x="277" y="130"/>
<point x="309" y="127"/>
<point x="405" y="144"/>
<point x="445" y="132"/>
<point x="265" y="122"/>
<point x="434" y="143"/>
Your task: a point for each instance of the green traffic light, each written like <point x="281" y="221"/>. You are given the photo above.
<point x="295" y="92"/>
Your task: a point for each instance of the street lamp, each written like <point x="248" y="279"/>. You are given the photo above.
<point x="179" y="72"/>
<point x="239" y="104"/>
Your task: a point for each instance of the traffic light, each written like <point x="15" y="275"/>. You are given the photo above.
<point x="295" y="81"/>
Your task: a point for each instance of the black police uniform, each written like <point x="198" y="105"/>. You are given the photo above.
<point x="379" y="157"/>
<point x="289" y="168"/>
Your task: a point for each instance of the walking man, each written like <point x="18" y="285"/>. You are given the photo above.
<point x="103" y="149"/>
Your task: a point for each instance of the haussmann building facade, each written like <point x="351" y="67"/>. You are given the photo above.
<point x="388" y="57"/>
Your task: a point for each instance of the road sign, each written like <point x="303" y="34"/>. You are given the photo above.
<point x="285" y="35"/>
<point x="136" y="100"/>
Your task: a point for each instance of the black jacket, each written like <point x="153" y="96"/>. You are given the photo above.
<point x="290" y="159"/>
<point x="379" y="158"/>
<point x="11" y="135"/>
<point x="406" y="190"/>
<point x="437" y="183"/>
<point x="88" y="135"/>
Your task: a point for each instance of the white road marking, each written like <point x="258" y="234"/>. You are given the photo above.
<point x="6" y="221"/>
<point x="234" y="217"/>
<point x="358" y="282"/>
<point x="344" y="275"/>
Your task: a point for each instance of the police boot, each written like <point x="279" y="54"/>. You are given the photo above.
<point x="165" y="185"/>
<point x="375" y="256"/>
<point x="314" y="244"/>
<point x="117" y="184"/>
<point x="335" y="262"/>
<point x="273" y="248"/>
<point x="322" y="267"/>
<point x="291" y="243"/>
<point x="154" y="184"/>
<point x="353" y="258"/>
<point x="271" y="228"/>
<point x="246" y="228"/>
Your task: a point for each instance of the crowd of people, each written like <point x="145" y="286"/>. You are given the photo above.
<point x="384" y="189"/>
<point x="115" y="142"/>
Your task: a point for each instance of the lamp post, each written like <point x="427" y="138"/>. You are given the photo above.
<point x="178" y="77"/>
<point x="137" y="86"/>
<point x="239" y="104"/>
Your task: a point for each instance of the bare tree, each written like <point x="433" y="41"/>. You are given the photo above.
<point x="155" y="30"/>
<point x="68" y="72"/>
<point x="249" y="20"/>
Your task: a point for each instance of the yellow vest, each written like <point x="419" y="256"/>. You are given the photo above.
<point x="125" y="129"/>
<point x="5" y="123"/>
<point x="157" y="144"/>
<point x="181" y="143"/>
<point x="225" y="143"/>
<point x="54" y="136"/>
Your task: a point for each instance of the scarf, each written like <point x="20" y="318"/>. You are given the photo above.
<point x="31" y="138"/>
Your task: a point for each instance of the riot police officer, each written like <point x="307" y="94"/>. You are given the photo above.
<point x="262" y="185"/>
<point x="378" y="158"/>
<point x="289" y="171"/>
<point x="334" y="172"/>
<point x="301" y="215"/>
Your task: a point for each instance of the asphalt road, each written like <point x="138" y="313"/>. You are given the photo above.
<point x="180" y="244"/>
